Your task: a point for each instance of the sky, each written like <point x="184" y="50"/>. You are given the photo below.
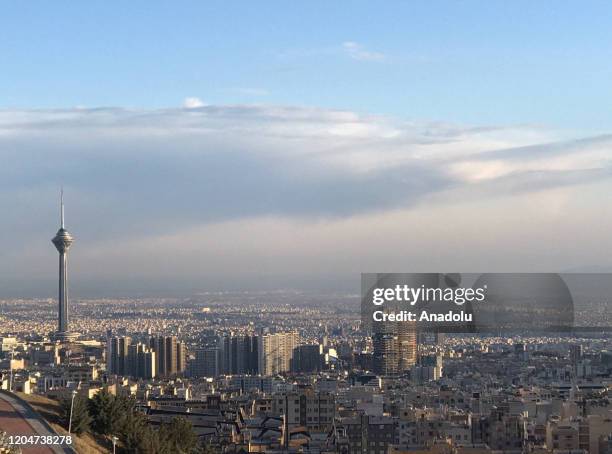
<point x="260" y="145"/>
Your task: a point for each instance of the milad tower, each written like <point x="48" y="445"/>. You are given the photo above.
<point x="62" y="241"/>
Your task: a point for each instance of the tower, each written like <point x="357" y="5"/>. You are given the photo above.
<point x="62" y="241"/>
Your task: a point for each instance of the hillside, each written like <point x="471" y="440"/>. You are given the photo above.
<point x="50" y="410"/>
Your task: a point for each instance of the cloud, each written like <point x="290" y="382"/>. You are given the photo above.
<point x="357" y="52"/>
<point x="202" y="187"/>
<point x="193" y="103"/>
<point x="241" y="161"/>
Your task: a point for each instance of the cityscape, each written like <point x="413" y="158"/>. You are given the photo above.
<point x="318" y="227"/>
<point x="290" y="371"/>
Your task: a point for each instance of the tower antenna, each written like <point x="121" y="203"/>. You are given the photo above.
<point x="62" y="206"/>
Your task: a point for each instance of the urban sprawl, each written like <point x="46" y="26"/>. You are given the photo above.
<point x="288" y="371"/>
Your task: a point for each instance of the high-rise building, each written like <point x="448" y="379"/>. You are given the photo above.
<point x="181" y="357"/>
<point x="117" y="355"/>
<point x="126" y="359"/>
<point x="238" y="355"/>
<point x="395" y="347"/>
<point x="407" y="344"/>
<point x="385" y="358"/>
<point x="62" y="241"/>
<point x="307" y="358"/>
<point x="575" y="351"/>
<point x="275" y="352"/>
<point x="205" y="363"/>
<point x="141" y="362"/>
<point x="170" y="355"/>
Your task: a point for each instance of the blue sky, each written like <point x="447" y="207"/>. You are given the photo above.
<point x="472" y="62"/>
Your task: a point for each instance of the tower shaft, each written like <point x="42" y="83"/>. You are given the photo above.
<point x="63" y="293"/>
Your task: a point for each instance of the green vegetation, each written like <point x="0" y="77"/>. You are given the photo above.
<point x="5" y="446"/>
<point x="81" y="420"/>
<point x="177" y="437"/>
<point x="108" y="415"/>
<point x="108" y="412"/>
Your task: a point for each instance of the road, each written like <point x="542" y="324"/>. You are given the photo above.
<point x="18" y="419"/>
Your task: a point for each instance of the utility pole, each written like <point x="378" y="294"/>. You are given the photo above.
<point x="74" y="393"/>
<point x="11" y="369"/>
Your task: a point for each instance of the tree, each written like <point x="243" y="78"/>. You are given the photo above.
<point x="205" y="449"/>
<point x="81" y="419"/>
<point x="118" y="416"/>
<point x="7" y="447"/>
<point x="177" y="437"/>
<point x="107" y="412"/>
<point x="136" y="436"/>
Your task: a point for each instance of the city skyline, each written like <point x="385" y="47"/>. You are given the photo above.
<point x="318" y="227"/>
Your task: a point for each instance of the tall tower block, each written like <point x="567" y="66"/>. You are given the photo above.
<point x="62" y="241"/>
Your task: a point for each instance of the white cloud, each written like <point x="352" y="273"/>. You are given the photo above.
<point x="357" y="52"/>
<point x="193" y="103"/>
